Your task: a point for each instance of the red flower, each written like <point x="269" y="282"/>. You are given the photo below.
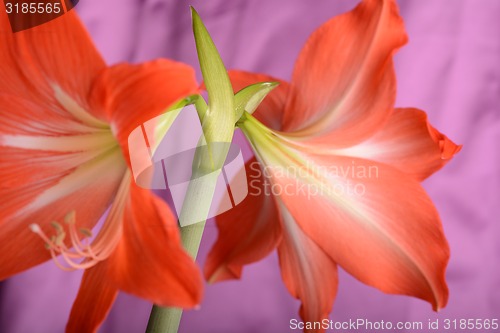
<point x="65" y="119"/>
<point x="337" y="179"/>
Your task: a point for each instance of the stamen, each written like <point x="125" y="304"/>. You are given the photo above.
<point x="70" y="218"/>
<point x="56" y="226"/>
<point x="83" y="253"/>
<point x="79" y="257"/>
<point x="86" y="232"/>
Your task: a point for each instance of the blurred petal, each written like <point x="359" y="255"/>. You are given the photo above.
<point x="375" y="222"/>
<point x="308" y="272"/>
<point x="58" y="55"/>
<point x="132" y="94"/>
<point x="149" y="261"/>
<point x="93" y="302"/>
<point x="343" y="85"/>
<point x="247" y="233"/>
<point x="270" y="111"/>
<point x="409" y="143"/>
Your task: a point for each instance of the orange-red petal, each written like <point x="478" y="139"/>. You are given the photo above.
<point x="59" y="53"/>
<point x="93" y="302"/>
<point x="408" y="142"/>
<point x="88" y="190"/>
<point x="374" y="221"/>
<point x="270" y="111"/>
<point x="55" y="149"/>
<point x="132" y="94"/>
<point x="45" y="78"/>
<point x="308" y="272"/>
<point x="37" y="144"/>
<point x="343" y="85"/>
<point x="149" y="261"/>
<point x="248" y="232"/>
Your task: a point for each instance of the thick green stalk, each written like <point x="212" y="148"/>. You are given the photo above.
<point x="164" y="320"/>
<point x="167" y="320"/>
<point x="217" y="120"/>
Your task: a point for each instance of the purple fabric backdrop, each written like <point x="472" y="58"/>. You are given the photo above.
<point x="450" y="68"/>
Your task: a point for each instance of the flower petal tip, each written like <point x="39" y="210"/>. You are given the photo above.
<point x="449" y="149"/>
<point x="222" y="273"/>
<point x="439" y="307"/>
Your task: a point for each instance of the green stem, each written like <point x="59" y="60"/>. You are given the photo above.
<point x="164" y="320"/>
<point x="167" y="320"/>
<point x="217" y="120"/>
<point x="196" y="207"/>
<point x="191" y="237"/>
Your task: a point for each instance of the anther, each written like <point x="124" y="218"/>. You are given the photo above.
<point x="70" y="217"/>
<point x="80" y="256"/>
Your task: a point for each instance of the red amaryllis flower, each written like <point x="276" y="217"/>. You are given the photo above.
<point x="337" y="179"/>
<point x="65" y="119"/>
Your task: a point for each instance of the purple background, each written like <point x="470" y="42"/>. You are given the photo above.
<point x="451" y="69"/>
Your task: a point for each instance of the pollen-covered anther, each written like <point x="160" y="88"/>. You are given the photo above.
<point x="79" y="255"/>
